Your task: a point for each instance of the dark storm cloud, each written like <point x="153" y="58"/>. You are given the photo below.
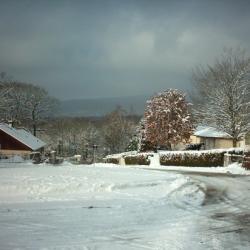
<point x="79" y="49"/>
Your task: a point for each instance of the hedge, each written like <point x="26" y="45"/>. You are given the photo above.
<point x="206" y="158"/>
<point x="137" y="160"/>
<point x="112" y="160"/>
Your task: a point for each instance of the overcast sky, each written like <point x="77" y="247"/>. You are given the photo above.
<point x="85" y="49"/>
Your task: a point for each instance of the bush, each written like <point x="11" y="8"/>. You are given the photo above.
<point x="111" y="160"/>
<point x="137" y="160"/>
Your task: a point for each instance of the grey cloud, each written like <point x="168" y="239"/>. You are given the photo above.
<point x="79" y="49"/>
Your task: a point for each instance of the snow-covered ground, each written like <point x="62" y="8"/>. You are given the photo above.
<point x="117" y="207"/>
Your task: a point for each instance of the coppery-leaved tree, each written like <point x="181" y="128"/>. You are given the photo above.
<point x="167" y="121"/>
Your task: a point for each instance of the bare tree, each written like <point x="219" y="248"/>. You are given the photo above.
<point x="38" y="105"/>
<point x="3" y="100"/>
<point x="117" y="131"/>
<point x="14" y="100"/>
<point x="26" y="103"/>
<point x="71" y="136"/>
<point x="222" y="93"/>
<point x="166" y="121"/>
<point x="4" y="94"/>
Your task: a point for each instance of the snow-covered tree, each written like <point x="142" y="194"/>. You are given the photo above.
<point x="117" y="131"/>
<point x="133" y="144"/>
<point x="4" y="97"/>
<point x="222" y="94"/>
<point x="143" y="143"/>
<point x="14" y="100"/>
<point x="167" y="121"/>
<point x="38" y="106"/>
<point x="25" y="103"/>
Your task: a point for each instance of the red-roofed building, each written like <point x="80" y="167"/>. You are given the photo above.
<point x="15" y="141"/>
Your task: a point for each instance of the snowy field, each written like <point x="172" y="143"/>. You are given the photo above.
<point x="112" y="207"/>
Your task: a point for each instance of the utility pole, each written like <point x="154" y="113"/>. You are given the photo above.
<point x="74" y="144"/>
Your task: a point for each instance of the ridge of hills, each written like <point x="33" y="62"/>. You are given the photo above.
<point x="97" y="107"/>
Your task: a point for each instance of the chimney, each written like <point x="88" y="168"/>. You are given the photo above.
<point x="11" y="123"/>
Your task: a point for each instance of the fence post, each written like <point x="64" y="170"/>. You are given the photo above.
<point x="227" y="159"/>
<point x="246" y="159"/>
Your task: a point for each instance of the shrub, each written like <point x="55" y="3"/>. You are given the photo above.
<point x="111" y="160"/>
<point x="137" y="160"/>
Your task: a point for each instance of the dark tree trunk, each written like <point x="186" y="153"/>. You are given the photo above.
<point x="234" y="142"/>
<point x="34" y="129"/>
<point x="34" y="123"/>
<point x="169" y="146"/>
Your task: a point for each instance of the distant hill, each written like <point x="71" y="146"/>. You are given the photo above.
<point x="101" y="106"/>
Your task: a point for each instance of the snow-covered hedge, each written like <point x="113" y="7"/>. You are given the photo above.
<point x="140" y="159"/>
<point x="117" y="158"/>
<point x="205" y="158"/>
<point x="111" y="160"/>
<point x="246" y="160"/>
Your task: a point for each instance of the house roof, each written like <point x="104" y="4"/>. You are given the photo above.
<point x="205" y="131"/>
<point x="23" y="136"/>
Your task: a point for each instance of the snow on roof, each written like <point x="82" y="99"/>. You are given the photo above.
<point x="23" y="136"/>
<point x="204" y="131"/>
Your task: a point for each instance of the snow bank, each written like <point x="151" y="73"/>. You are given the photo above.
<point x="121" y="154"/>
<point x="236" y="168"/>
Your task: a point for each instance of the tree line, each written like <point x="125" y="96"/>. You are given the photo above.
<point x="70" y="136"/>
